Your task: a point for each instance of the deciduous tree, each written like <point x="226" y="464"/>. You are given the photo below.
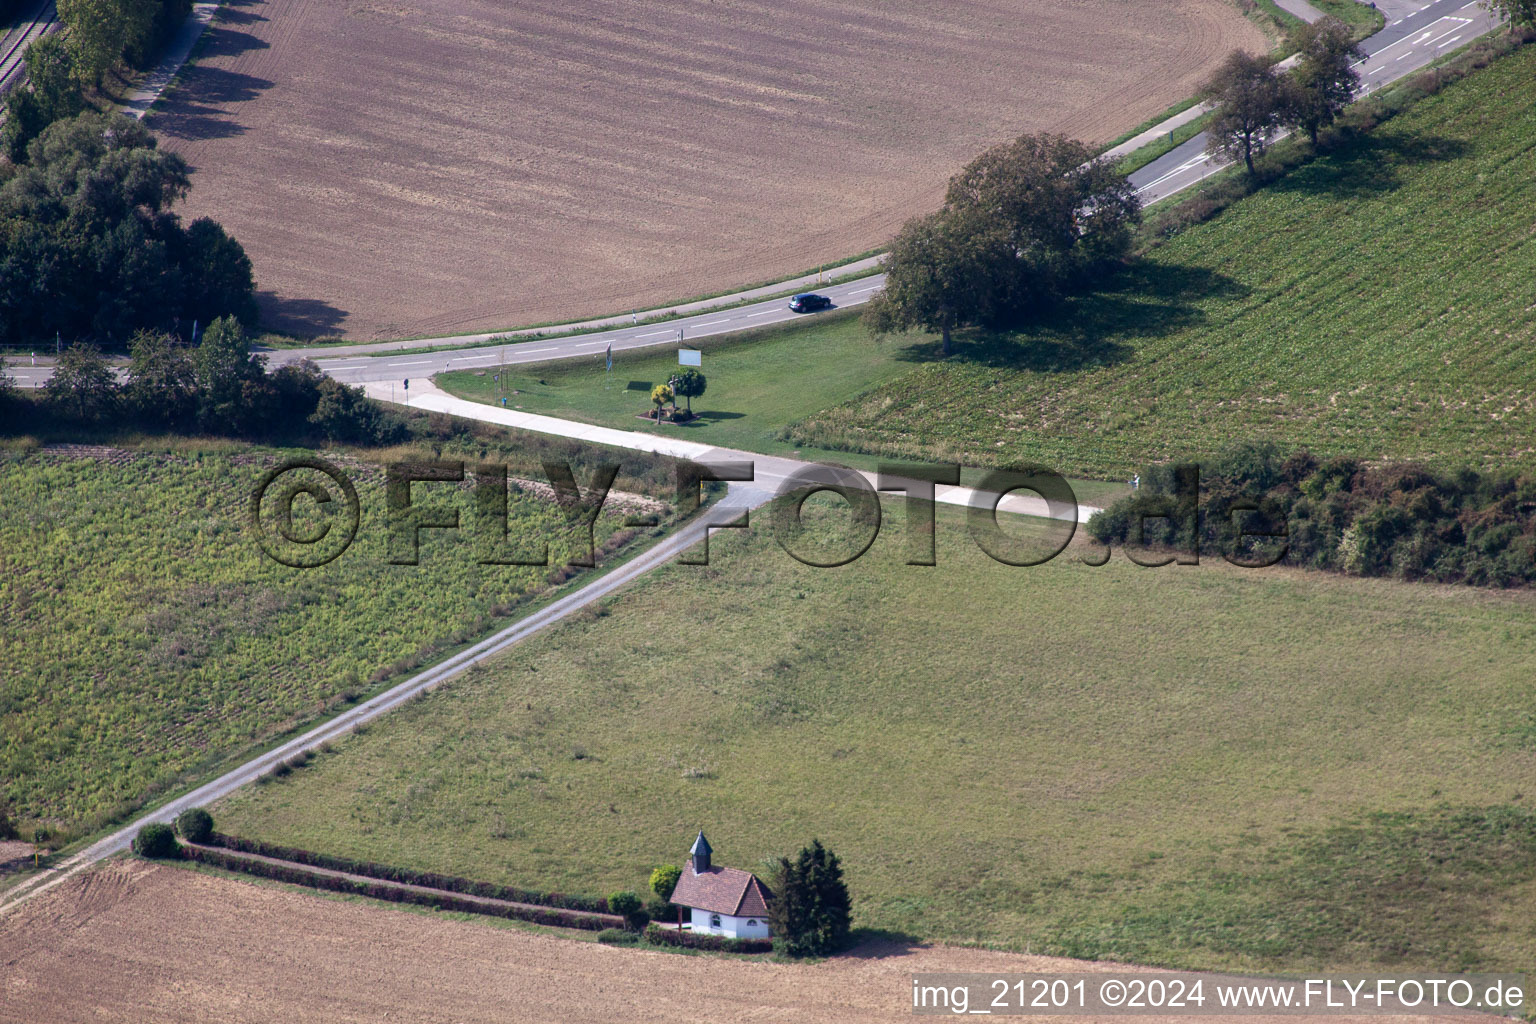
<point x="231" y="382"/>
<point x="1052" y="215"/>
<point x="1518" y="12"/>
<point x="161" y="388"/>
<point x="98" y="31"/>
<point x="664" y="879"/>
<point x="661" y="394"/>
<point x="690" y="384"/>
<point x="1324" y="80"/>
<point x="51" y="93"/>
<point x="1021" y="225"/>
<point x="90" y="247"/>
<point x="83" y="386"/>
<point x="1250" y="104"/>
<point x="935" y="279"/>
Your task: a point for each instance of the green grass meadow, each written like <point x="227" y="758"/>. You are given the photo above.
<point x="1190" y="765"/>
<point x="759" y="382"/>
<point x="147" y="639"/>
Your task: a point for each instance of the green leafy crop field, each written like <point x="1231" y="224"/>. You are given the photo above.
<point x="1379" y="302"/>
<point x="147" y="639"/>
<point x="1190" y="765"/>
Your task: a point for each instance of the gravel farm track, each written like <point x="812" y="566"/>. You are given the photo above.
<point x="423" y="167"/>
<point x="131" y="941"/>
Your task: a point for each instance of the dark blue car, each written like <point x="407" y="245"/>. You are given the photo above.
<point x="809" y="302"/>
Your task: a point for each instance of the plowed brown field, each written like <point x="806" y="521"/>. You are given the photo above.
<point x="405" y="167"/>
<point x="134" y="942"/>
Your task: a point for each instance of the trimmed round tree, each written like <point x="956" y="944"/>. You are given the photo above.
<point x="690" y="384"/>
<point x="627" y="905"/>
<point x="195" y="825"/>
<point x="661" y="394"/>
<point x="157" y="842"/>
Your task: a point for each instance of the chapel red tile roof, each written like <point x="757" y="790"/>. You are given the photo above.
<point x="723" y="891"/>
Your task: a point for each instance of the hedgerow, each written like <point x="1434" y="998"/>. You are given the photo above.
<point x="714" y="943"/>
<point x="410" y="876"/>
<point x="295" y="875"/>
<point x="1401" y="520"/>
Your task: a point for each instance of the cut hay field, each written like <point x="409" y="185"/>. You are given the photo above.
<point x="431" y="166"/>
<point x="1189" y="766"/>
<point x="133" y="941"/>
<point x="1376" y="303"/>
<point x="148" y="639"/>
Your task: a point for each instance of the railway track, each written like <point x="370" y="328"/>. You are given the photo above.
<point x="13" y="46"/>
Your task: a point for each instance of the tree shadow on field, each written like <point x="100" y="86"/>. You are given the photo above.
<point x="1360" y="165"/>
<point x="879" y="943"/>
<point x="195" y="109"/>
<point x="241" y="12"/>
<point x="229" y="42"/>
<point x="1147" y="299"/>
<point x="302" y="317"/>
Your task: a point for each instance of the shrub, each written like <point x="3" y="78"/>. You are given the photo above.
<point x="7" y="826"/>
<point x="715" y="943"/>
<point x="1257" y="507"/>
<point x="664" y="880"/>
<point x="157" y="842"/>
<point x="658" y="909"/>
<point x="628" y="906"/>
<point x="617" y="937"/>
<point x="195" y="825"/>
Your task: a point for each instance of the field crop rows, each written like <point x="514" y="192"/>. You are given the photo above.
<point x="1185" y="765"/>
<point x="1378" y="303"/>
<point x="148" y="637"/>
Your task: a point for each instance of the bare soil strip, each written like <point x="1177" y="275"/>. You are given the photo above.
<point x="423" y="167"/>
<point x="130" y="941"/>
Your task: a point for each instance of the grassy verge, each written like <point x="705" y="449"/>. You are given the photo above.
<point x="1149" y="123"/>
<point x="760" y="382"/>
<point x="1363" y="19"/>
<point x="1133" y="162"/>
<point x="1184" y="766"/>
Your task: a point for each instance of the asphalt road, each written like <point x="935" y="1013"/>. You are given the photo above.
<point x="405" y="365"/>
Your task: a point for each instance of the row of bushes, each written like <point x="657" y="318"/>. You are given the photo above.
<point x="715" y="943"/>
<point x="218" y="387"/>
<point x="410" y="876"/>
<point x="1401" y="520"/>
<point x="382" y="891"/>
